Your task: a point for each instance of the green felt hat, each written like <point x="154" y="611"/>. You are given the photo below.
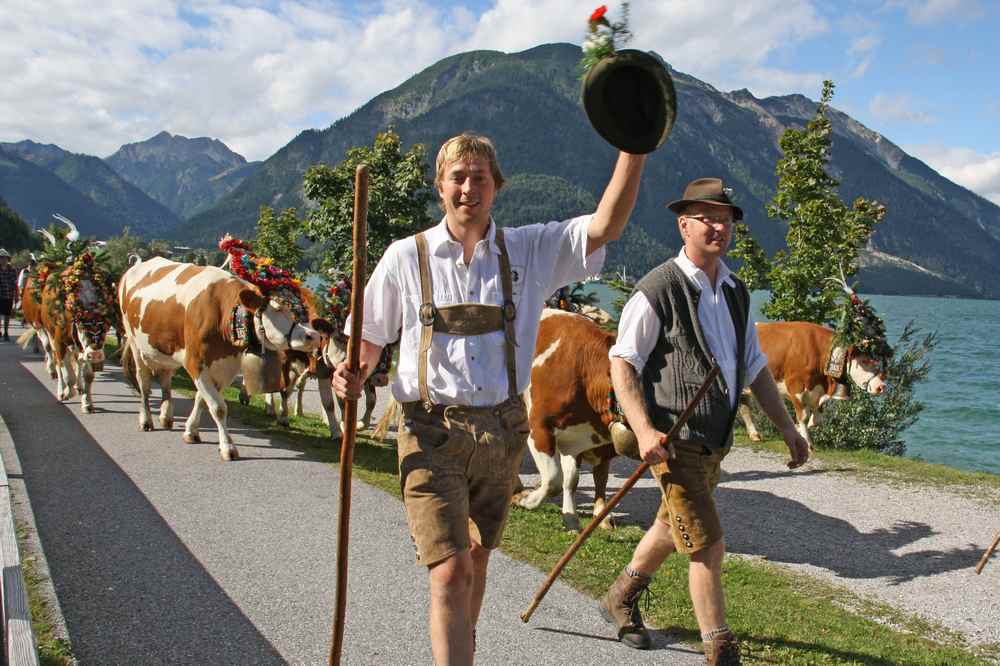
<point x="630" y="100"/>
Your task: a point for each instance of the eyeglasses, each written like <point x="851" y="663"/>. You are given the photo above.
<point x="721" y="221"/>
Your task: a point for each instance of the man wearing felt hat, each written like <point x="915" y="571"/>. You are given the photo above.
<point x="685" y="316"/>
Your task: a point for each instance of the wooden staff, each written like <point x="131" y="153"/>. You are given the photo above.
<point x="350" y="406"/>
<point x="986" y="555"/>
<point x="613" y="502"/>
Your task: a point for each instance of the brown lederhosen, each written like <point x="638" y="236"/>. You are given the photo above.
<point x="457" y="463"/>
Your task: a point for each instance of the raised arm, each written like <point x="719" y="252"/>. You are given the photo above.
<point x="617" y="203"/>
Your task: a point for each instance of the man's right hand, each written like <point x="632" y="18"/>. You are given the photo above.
<point x="651" y="447"/>
<point x="349" y="385"/>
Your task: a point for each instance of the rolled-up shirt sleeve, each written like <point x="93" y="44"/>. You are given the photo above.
<point x="563" y="246"/>
<point x="755" y="358"/>
<point x="383" y="304"/>
<point x="638" y="330"/>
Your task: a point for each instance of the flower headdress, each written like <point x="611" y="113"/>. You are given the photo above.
<point x="338" y="298"/>
<point x="259" y="271"/>
<point x="94" y="320"/>
<point x="860" y="326"/>
<point x="603" y="37"/>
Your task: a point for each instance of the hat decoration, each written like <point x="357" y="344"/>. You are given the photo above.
<point x="273" y="281"/>
<point x="628" y="95"/>
<point x="603" y="36"/>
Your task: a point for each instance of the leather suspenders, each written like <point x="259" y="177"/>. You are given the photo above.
<point x="464" y="318"/>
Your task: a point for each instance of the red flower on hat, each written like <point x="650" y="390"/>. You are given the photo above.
<point x="599" y="13"/>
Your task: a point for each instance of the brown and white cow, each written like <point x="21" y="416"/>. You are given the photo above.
<point x="73" y="350"/>
<point x="568" y="410"/>
<point x="31" y="310"/>
<point x="797" y="353"/>
<point x="179" y="315"/>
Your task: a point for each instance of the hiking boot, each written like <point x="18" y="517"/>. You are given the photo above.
<point x="620" y="607"/>
<point x="722" y="650"/>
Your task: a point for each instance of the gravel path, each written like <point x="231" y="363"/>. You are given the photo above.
<point x="159" y="553"/>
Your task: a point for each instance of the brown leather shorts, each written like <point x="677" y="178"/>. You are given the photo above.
<point x="688" y="506"/>
<point x="457" y="467"/>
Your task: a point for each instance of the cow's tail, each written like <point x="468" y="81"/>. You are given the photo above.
<point x="393" y="415"/>
<point x="128" y="364"/>
<point x="26" y="339"/>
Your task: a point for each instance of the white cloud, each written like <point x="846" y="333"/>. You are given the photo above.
<point x="92" y="76"/>
<point x="976" y="171"/>
<point x="898" y="108"/>
<point x="864" y="44"/>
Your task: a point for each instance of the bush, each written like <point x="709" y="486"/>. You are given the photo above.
<point x="876" y="422"/>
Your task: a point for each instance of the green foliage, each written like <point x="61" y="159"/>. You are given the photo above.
<point x="876" y="423"/>
<point x="118" y="249"/>
<point x="15" y="234"/>
<point x="399" y="195"/>
<point x="754" y="264"/>
<point x="824" y="235"/>
<point x="278" y="237"/>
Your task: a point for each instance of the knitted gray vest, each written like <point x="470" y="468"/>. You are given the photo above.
<point x="682" y="359"/>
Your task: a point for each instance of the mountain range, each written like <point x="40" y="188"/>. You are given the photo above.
<point x="937" y="239"/>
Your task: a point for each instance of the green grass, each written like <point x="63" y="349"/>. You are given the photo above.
<point x="782" y="617"/>
<point x="52" y="650"/>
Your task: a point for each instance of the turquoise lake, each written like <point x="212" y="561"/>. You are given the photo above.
<point x="960" y="425"/>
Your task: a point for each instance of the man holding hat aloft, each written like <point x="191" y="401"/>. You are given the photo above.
<point x="8" y="290"/>
<point x="685" y="316"/>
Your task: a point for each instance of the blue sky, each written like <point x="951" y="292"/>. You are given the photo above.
<point x="254" y="73"/>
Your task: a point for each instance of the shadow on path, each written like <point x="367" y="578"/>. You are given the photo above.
<point x="131" y="591"/>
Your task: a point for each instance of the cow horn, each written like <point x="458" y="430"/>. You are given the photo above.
<point x="134" y="259"/>
<point x="49" y="237"/>
<point x="842" y="281"/>
<point x="74" y="233"/>
<point x="226" y="262"/>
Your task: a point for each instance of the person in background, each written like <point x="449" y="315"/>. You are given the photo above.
<point x="8" y="291"/>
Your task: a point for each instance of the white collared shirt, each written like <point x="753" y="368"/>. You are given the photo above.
<point x="640" y="328"/>
<point x="472" y="370"/>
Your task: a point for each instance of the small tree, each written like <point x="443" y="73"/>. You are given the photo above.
<point x="824" y="234"/>
<point x="278" y="237"/>
<point x="399" y="196"/>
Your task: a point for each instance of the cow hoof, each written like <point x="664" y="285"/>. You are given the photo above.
<point x="571" y="522"/>
<point x="244" y="400"/>
<point x="607" y="524"/>
<point x="88" y="409"/>
<point x="192" y="439"/>
<point x="756" y="438"/>
<point x="229" y="454"/>
<point x="146" y="427"/>
<point x="166" y="424"/>
<point x="283" y="423"/>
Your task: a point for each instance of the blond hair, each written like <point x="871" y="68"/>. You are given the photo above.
<point x="464" y="146"/>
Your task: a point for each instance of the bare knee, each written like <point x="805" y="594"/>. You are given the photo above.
<point x="710" y="557"/>
<point x="452" y="578"/>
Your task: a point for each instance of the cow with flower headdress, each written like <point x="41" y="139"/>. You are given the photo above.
<point x="70" y="305"/>
<point x="814" y="365"/>
<point x="206" y="319"/>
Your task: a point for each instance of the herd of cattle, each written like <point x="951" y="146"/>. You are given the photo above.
<point x="176" y="315"/>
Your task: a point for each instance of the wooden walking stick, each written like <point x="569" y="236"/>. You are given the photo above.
<point x="350" y="406"/>
<point x="986" y="555"/>
<point x="613" y="502"/>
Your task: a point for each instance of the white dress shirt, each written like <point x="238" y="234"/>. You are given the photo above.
<point x="640" y="328"/>
<point x="472" y="370"/>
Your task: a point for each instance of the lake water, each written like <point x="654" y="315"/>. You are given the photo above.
<point x="960" y="425"/>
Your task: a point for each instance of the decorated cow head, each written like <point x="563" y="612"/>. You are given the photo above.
<point x="862" y="332"/>
<point x="89" y="301"/>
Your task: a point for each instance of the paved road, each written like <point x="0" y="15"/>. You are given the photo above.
<point x="159" y="553"/>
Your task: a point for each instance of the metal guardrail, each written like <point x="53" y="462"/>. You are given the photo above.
<point x="19" y="641"/>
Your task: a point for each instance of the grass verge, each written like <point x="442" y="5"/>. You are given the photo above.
<point x="52" y="650"/>
<point x="783" y="617"/>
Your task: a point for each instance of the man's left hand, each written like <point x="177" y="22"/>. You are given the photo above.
<point x="798" y="448"/>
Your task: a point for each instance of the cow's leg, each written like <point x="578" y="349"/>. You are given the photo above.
<point x="329" y="408"/>
<point x="548" y="469"/>
<point x="802" y="415"/>
<point x="281" y="396"/>
<point x="85" y="382"/>
<point x="217" y="408"/>
<point x="64" y="379"/>
<point x="571" y="479"/>
<point x="164" y="378"/>
<point x="144" y="377"/>
<point x="50" y="362"/>
<point x="191" y="435"/>
<point x="269" y="404"/>
<point x="600" y="472"/>
<point x="747" y="417"/>
<point x="299" y="388"/>
<point x="370" y="397"/>
<point x="244" y="396"/>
